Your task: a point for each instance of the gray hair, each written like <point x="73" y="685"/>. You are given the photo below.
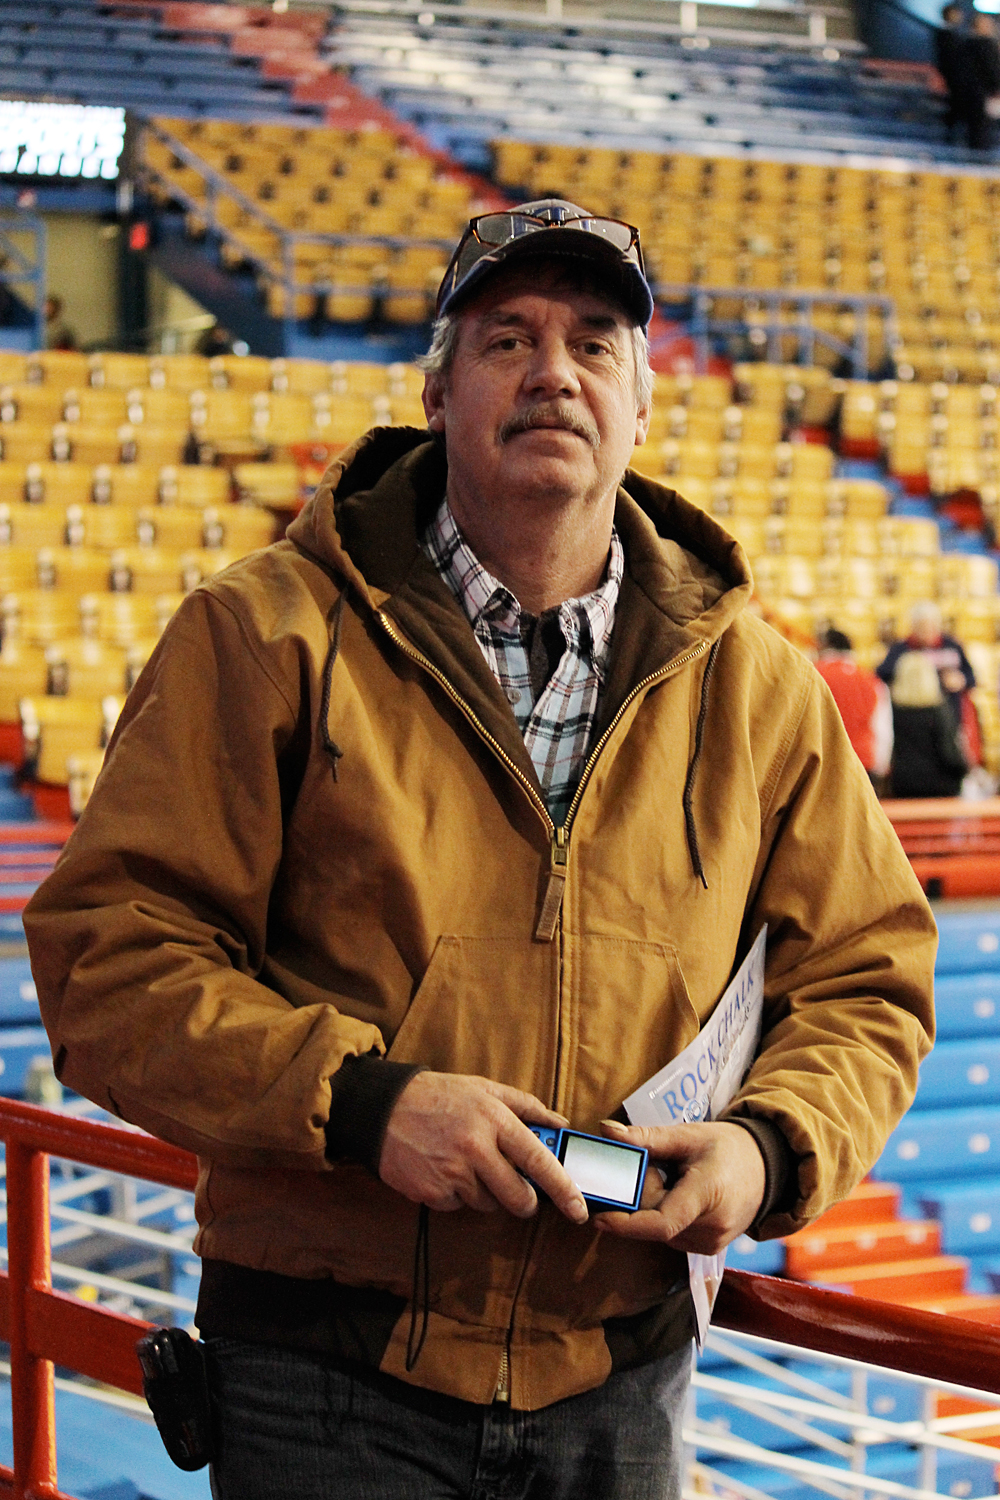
<point x="444" y="343"/>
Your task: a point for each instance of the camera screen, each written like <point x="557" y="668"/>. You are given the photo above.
<point x="602" y="1169"/>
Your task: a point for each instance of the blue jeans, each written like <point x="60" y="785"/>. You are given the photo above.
<point x="293" y="1426"/>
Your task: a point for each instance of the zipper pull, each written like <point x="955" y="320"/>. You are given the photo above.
<point x="552" y="904"/>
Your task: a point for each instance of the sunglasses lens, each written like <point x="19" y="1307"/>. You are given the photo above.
<point x="620" y="235"/>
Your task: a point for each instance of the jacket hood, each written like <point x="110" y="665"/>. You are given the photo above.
<point x="366" y="517"/>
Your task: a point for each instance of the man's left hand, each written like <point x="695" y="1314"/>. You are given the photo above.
<point x="719" y="1186"/>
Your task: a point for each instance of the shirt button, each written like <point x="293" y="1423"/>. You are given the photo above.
<point x="513" y="696"/>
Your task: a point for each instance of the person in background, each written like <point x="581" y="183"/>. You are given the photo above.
<point x="926" y="635"/>
<point x="983" y="67"/>
<point x="927" y="760"/>
<point x="214" y="340"/>
<point x="949" y="50"/>
<point x="864" y="703"/>
<point x="58" y="333"/>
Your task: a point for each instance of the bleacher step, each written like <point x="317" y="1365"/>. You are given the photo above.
<point x="901" y="1281"/>
<point x="810" y="1252"/>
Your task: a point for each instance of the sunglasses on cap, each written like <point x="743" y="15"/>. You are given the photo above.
<point x="489" y="233"/>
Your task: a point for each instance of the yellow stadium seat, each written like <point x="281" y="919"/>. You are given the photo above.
<point x="163" y="407"/>
<point x="222" y="414"/>
<point x="118" y="371"/>
<point x="35" y="405"/>
<point x="173" y="527"/>
<point x="95" y="408"/>
<point x="274" y="485"/>
<point x="23" y="674"/>
<point x="72" y="570"/>
<point x="24" y="442"/>
<point x="82" y="770"/>
<point x="33" y="525"/>
<point x="194" y="484"/>
<point x="86" y="668"/>
<point x="240" y="372"/>
<point x="38" y="616"/>
<point x="88" y="445"/>
<point x="145" y="570"/>
<point x="56" y="728"/>
<point x="58" y="367"/>
<point x="284" y="417"/>
<point x="121" y="619"/>
<point x="101" y="526"/>
<point x="305" y="377"/>
<point x="125" y="484"/>
<point x="154" y="446"/>
<point x="18" y="568"/>
<point x="179" y="372"/>
<point x="59" y="483"/>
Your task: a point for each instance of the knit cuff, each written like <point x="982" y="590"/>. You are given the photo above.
<point x="780" y="1166"/>
<point x="363" y="1094"/>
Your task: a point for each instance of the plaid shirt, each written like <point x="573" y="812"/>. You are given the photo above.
<point x="557" y="726"/>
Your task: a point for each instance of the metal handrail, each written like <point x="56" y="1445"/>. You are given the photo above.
<point x="703" y="325"/>
<point x="46" y="1327"/>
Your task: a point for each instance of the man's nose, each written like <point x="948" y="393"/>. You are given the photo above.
<point x="552" y="370"/>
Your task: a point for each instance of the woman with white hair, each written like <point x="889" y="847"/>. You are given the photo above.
<point x="954" y="672"/>
<point x="927" y="760"/>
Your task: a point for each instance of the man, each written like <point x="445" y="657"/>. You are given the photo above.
<point x="454" y="811"/>
<point x="982" y="56"/>
<point x="864" y="704"/>
<point x="949" y="55"/>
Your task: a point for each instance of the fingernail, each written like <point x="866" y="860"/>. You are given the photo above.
<point x="612" y="1125"/>
<point x="578" y="1211"/>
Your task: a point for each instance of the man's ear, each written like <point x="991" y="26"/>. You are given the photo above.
<point x="642" y="418"/>
<point x="434" y="401"/>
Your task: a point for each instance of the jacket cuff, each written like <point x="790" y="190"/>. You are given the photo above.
<point x="363" y="1094"/>
<point x="780" y="1166"/>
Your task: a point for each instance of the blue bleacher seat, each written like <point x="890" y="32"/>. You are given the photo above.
<point x="969" y="941"/>
<point x="967" y="1005"/>
<point x="941" y="1143"/>
<point x="18" y="997"/>
<point x="960" y="1071"/>
<point x="968" y="1212"/>
<point x="764" y="1256"/>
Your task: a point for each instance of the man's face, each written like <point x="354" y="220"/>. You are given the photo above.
<point x="540" y="402"/>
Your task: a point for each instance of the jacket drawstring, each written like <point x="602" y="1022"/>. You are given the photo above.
<point x="689" y="824"/>
<point x="421" y="1283"/>
<point x="332" y="749"/>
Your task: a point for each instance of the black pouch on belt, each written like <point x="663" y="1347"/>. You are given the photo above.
<point x="175" y="1384"/>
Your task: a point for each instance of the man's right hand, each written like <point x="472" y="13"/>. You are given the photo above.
<point x="455" y="1140"/>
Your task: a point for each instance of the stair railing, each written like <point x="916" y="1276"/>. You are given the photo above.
<point x="45" y="1327"/>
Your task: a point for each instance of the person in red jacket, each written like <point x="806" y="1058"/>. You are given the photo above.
<point x="864" y="703"/>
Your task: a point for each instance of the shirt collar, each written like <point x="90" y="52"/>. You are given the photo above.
<point x="487" y="602"/>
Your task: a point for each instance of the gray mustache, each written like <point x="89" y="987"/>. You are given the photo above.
<point x="549" y="414"/>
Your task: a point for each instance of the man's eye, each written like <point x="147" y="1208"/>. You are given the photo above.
<point x="595" y="347"/>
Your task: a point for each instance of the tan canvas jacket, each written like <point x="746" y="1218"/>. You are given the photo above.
<point x="318" y="832"/>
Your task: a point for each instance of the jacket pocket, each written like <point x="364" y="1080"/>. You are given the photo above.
<point x="629" y="1015"/>
<point x="487" y="1006"/>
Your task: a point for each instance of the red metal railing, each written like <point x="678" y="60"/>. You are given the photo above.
<point x="45" y="1327"/>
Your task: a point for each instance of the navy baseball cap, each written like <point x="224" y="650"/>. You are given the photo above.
<point x="549" y="227"/>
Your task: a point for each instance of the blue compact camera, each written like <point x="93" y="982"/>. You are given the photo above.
<point x="609" y="1174"/>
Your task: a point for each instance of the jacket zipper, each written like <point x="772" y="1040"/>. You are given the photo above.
<point x="559" y="855"/>
<point x="559" y="837"/>
<point x="503" y="1380"/>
